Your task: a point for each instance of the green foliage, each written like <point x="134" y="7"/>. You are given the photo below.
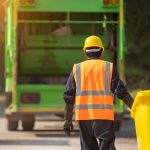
<point x="138" y="43"/>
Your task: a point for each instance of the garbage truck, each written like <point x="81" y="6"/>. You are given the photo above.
<point x="43" y="39"/>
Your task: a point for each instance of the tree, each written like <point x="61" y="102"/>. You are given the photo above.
<point x="138" y="41"/>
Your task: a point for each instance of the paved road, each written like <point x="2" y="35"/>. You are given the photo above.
<point x="45" y="136"/>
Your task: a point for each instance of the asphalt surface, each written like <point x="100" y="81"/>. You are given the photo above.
<point x="49" y="135"/>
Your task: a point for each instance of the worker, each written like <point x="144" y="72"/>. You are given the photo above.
<point x="91" y="87"/>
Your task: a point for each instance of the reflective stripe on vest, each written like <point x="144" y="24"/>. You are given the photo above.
<point x="94" y="104"/>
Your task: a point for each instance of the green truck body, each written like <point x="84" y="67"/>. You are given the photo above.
<point x="42" y="42"/>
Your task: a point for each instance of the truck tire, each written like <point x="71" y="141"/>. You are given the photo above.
<point x="28" y="125"/>
<point x="12" y="125"/>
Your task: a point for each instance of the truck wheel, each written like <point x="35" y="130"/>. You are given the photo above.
<point x="12" y="125"/>
<point x="27" y="125"/>
<point x="60" y="115"/>
<point x="117" y="125"/>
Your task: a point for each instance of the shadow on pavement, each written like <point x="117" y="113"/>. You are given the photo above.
<point x="35" y="142"/>
<point x="58" y="134"/>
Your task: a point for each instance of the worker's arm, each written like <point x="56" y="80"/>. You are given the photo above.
<point x="70" y="92"/>
<point x="119" y="89"/>
<point x="69" y="97"/>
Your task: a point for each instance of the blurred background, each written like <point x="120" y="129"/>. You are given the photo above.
<point x="138" y="35"/>
<point x="2" y="32"/>
<point x="137" y="77"/>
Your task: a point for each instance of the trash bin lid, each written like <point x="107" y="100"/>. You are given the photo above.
<point x="140" y="97"/>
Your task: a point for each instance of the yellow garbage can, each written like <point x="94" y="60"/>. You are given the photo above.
<point x="140" y="111"/>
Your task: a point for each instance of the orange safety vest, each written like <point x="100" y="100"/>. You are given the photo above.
<point x="94" y="99"/>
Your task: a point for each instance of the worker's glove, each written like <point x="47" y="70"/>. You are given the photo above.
<point x="128" y="100"/>
<point x="68" y="127"/>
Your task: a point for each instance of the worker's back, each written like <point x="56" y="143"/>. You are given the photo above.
<point x="94" y="99"/>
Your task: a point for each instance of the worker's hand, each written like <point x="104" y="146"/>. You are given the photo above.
<point x="68" y="127"/>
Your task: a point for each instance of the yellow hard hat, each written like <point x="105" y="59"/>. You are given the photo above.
<point x="93" y="41"/>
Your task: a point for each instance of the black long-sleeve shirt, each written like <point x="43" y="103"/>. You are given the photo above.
<point x="117" y="87"/>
